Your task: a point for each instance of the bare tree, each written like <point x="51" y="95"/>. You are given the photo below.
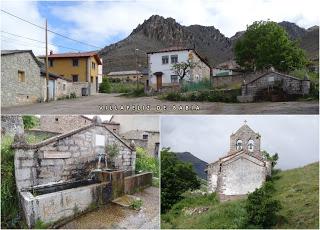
<point x="183" y="68"/>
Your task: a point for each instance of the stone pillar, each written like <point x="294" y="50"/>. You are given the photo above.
<point x="305" y="87"/>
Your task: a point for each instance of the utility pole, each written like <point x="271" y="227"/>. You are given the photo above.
<point x="47" y="64"/>
<point x="135" y="52"/>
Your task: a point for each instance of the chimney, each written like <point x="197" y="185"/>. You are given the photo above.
<point x="51" y="52"/>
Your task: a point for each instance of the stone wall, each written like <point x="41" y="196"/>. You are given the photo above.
<point x="53" y="207"/>
<point x="137" y="182"/>
<point x="289" y="84"/>
<point x="241" y="176"/>
<point x="67" y="157"/>
<point x="231" y="80"/>
<point x="62" y="123"/>
<point x="212" y="176"/>
<point x="14" y="92"/>
<point x="11" y="124"/>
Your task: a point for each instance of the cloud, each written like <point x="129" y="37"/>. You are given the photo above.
<point x="28" y="11"/>
<point x="295" y="138"/>
<point x="104" y="22"/>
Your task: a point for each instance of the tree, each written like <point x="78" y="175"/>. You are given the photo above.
<point x="265" y="44"/>
<point x="176" y="178"/>
<point x="30" y="122"/>
<point x="183" y="68"/>
<point x="105" y="86"/>
<point x="261" y="208"/>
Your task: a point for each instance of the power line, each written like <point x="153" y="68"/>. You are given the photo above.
<point x="39" y="41"/>
<point x="16" y="42"/>
<point x="41" y="27"/>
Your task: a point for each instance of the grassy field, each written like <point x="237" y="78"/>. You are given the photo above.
<point x="297" y="191"/>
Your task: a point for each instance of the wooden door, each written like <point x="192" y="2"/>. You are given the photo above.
<point x="159" y="82"/>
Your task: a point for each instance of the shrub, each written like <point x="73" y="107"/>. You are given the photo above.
<point x="176" y="178"/>
<point x="9" y="198"/>
<point x="73" y="95"/>
<point x="146" y="163"/>
<point x="105" y="86"/>
<point x="261" y="208"/>
<point x="196" y="86"/>
<point x="30" y="121"/>
<point x="136" y="204"/>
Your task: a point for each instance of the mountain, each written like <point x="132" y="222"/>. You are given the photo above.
<point x="296" y="189"/>
<point x="198" y="165"/>
<point x="158" y="32"/>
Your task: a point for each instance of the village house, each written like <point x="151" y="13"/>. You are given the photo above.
<point x="128" y="76"/>
<point x="144" y="131"/>
<point x="23" y="79"/>
<point x="67" y="123"/>
<point x="81" y="68"/>
<point x="161" y="74"/>
<point x="242" y="170"/>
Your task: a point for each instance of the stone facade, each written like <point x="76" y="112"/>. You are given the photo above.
<point x="11" y="124"/>
<point x="148" y="140"/>
<point x="68" y="156"/>
<point x="67" y="123"/>
<point x="63" y="123"/>
<point x="243" y="169"/>
<point x="271" y="79"/>
<point x="13" y="91"/>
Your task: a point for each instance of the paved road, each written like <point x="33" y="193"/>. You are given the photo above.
<point x="115" y="104"/>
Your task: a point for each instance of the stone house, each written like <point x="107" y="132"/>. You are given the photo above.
<point x="67" y="123"/>
<point x="242" y="170"/>
<point x="68" y="156"/>
<point x="128" y="76"/>
<point x="160" y="65"/>
<point x="250" y="91"/>
<point x="149" y="140"/>
<point x="82" y="68"/>
<point x="23" y="80"/>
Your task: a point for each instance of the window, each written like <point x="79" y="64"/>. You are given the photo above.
<point x="250" y="145"/>
<point x="75" y="62"/>
<point x="165" y="60"/>
<point x="100" y="140"/>
<point x="21" y="76"/>
<point x="93" y="65"/>
<point x="174" y="79"/>
<point x="91" y="79"/>
<point x="145" y="136"/>
<point x="51" y="62"/>
<point x="114" y="130"/>
<point x="64" y="87"/>
<point x="56" y="119"/>
<point x="239" y="145"/>
<point x="174" y="59"/>
<point x="75" y="78"/>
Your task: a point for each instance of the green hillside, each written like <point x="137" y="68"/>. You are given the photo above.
<point x="297" y="190"/>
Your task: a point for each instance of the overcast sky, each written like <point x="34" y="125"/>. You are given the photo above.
<point x="104" y="22"/>
<point x="294" y="138"/>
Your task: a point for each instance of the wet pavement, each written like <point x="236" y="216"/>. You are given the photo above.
<point x="115" y="104"/>
<point x="116" y="216"/>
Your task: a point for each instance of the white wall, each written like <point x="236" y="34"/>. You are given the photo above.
<point x="155" y="63"/>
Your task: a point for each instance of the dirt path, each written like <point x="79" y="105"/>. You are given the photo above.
<point x="114" y="104"/>
<point x="115" y="216"/>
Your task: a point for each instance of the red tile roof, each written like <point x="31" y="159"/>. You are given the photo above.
<point x="74" y="55"/>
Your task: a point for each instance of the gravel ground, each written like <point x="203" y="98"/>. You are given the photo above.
<point x="115" y="216"/>
<point x="111" y="104"/>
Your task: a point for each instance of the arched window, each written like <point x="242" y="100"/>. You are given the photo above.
<point x="239" y="145"/>
<point x="250" y="145"/>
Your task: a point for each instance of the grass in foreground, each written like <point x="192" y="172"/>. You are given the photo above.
<point x="296" y="189"/>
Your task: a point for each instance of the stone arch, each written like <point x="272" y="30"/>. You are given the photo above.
<point x="250" y="145"/>
<point x="239" y="144"/>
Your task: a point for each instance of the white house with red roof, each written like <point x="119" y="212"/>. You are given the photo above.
<point x="161" y="62"/>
